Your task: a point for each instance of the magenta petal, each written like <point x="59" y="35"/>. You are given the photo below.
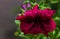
<point x="49" y="26"/>
<point x="49" y="12"/>
<point x="35" y="7"/>
<point x="28" y="5"/>
<point x="24" y="26"/>
<point x="23" y="6"/>
<point x="29" y="13"/>
<point x="35" y="29"/>
<point x="22" y="17"/>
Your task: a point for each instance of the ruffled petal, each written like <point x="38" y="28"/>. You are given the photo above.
<point x="29" y="13"/>
<point x="35" y="7"/>
<point x="27" y="18"/>
<point x="35" y="29"/>
<point x="22" y="17"/>
<point x="41" y="14"/>
<point x="46" y="14"/>
<point x="24" y="26"/>
<point x="49" y="26"/>
<point x="49" y="13"/>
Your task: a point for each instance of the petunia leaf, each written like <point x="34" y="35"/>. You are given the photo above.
<point x="18" y="25"/>
<point x="32" y="4"/>
<point x="17" y="22"/>
<point x="54" y="1"/>
<point x="41" y="3"/>
<point x="54" y="33"/>
<point x="30" y="36"/>
<point x="56" y="18"/>
<point x="58" y="38"/>
<point x="43" y="36"/>
<point x="58" y="35"/>
<point x="23" y="36"/>
<point x="47" y="1"/>
<point x="55" y="6"/>
<point x="38" y="36"/>
<point x="58" y="12"/>
<point x="57" y="23"/>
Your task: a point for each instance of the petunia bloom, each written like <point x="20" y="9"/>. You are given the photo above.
<point x="36" y="21"/>
<point x="24" y="6"/>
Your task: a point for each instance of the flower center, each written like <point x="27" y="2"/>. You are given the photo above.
<point x="37" y="19"/>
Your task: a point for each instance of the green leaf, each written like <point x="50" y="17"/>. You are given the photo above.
<point x="41" y="3"/>
<point x="43" y="37"/>
<point x="55" y="6"/>
<point x="58" y="36"/>
<point x="17" y="22"/>
<point x="38" y="36"/>
<point x="23" y="36"/>
<point x="47" y="1"/>
<point x="18" y="25"/>
<point x="32" y="4"/>
<point x="18" y="29"/>
<point x="54" y="1"/>
<point x="55" y="33"/>
<point x="58" y="12"/>
<point x="56" y="18"/>
<point x="30" y="36"/>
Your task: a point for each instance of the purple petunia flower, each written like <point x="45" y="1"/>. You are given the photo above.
<point x="36" y="21"/>
<point x="24" y="6"/>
